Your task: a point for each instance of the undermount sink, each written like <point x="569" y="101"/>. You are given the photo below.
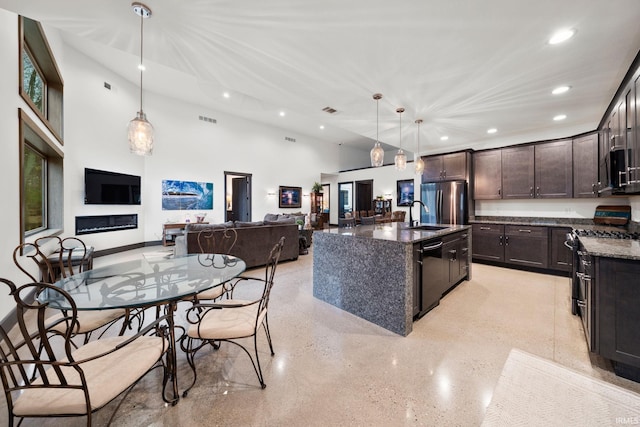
<point x="429" y="227"/>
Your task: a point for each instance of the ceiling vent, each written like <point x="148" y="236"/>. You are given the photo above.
<point x="329" y="110"/>
<point x="207" y="119"/>
<point x="288" y="138"/>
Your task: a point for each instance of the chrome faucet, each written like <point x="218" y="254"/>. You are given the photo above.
<point x="411" y="224"/>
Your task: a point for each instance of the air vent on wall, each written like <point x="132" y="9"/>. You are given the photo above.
<point x="207" y="119"/>
<point x="329" y="110"/>
<point x="288" y="138"/>
<point x="107" y="85"/>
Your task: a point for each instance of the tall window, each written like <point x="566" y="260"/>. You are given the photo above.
<point x="41" y="157"/>
<point x="40" y="83"/>
<point x="35" y="190"/>
<point x="41" y="180"/>
<point x="33" y="81"/>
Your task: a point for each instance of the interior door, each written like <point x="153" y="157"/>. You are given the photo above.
<point x="364" y="195"/>
<point x="238" y="196"/>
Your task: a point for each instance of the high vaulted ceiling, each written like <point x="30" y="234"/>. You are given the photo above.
<point x="462" y="66"/>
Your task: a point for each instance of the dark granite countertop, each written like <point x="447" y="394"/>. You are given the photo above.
<point x="612" y="248"/>
<point x="544" y="222"/>
<point x="395" y="231"/>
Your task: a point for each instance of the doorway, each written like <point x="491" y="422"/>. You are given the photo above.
<point x="364" y="195"/>
<point x="345" y="196"/>
<point x="237" y="196"/>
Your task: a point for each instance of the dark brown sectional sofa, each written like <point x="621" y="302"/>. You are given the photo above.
<point x="255" y="239"/>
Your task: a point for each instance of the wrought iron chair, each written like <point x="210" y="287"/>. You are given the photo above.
<point x="214" y="241"/>
<point x="44" y="375"/>
<point x="70" y="257"/>
<point x="232" y="319"/>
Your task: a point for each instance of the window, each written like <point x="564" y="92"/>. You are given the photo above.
<point x="35" y="194"/>
<point x="41" y="181"/>
<point x="40" y="83"/>
<point x="33" y="81"/>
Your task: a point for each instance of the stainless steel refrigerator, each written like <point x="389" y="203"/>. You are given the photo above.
<point x="445" y="202"/>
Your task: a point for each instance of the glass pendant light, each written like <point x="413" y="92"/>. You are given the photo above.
<point x="377" y="153"/>
<point x="140" y="131"/>
<point x="418" y="162"/>
<point x="400" y="159"/>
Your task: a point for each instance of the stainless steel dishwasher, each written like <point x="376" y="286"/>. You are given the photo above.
<point x="433" y="277"/>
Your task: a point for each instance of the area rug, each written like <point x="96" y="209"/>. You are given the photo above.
<point x="533" y="391"/>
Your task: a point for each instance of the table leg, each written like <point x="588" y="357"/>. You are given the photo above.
<point x="171" y="355"/>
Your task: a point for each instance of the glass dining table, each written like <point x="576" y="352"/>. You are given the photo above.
<point x="157" y="279"/>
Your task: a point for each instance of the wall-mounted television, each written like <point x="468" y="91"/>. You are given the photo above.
<point x="110" y="188"/>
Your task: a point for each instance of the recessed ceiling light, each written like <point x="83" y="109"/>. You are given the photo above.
<point x="560" y="117"/>
<point x="141" y="67"/>
<point x="282" y="113"/>
<point x="226" y="95"/>
<point x="492" y="130"/>
<point x="444" y="138"/>
<point x="321" y="126"/>
<point x="560" y="89"/>
<point x="561" y="36"/>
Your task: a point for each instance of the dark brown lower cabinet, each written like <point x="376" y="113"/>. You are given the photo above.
<point x="520" y="245"/>
<point x="488" y="242"/>
<point x="617" y="317"/>
<point x="526" y="245"/>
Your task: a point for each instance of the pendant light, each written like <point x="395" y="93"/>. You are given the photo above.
<point x="400" y="159"/>
<point x="377" y="153"/>
<point x="418" y="162"/>
<point x="140" y="130"/>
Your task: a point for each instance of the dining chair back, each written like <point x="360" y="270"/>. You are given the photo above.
<point x="44" y="374"/>
<point x="217" y="241"/>
<point x="232" y="319"/>
<point x="65" y="258"/>
<point x="346" y="222"/>
<point x="367" y="220"/>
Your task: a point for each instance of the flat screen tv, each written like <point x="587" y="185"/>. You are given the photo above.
<point x="110" y="188"/>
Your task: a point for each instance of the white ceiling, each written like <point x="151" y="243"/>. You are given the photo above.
<point x="462" y="66"/>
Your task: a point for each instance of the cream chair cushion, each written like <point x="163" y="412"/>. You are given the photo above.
<point x="227" y="323"/>
<point x="106" y="377"/>
<point x="89" y="320"/>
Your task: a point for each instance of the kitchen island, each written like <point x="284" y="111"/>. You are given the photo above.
<point x="381" y="272"/>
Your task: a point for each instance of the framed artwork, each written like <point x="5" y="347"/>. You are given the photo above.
<point x="290" y="197"/>
<point x="186" y="195"/>
<point x="405" y="192"/>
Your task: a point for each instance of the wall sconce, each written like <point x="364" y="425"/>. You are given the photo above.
<point x="271" y="193"/>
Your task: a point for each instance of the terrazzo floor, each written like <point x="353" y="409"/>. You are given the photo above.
<point x="334" y="369"/>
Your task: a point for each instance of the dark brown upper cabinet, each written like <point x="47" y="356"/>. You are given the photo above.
<point x="487" y="174"/>
<point x="446" y="167"/>
<point x="585" y="166"/>
<point x="553" y="169"/>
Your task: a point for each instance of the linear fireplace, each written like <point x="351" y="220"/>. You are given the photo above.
<point x="104" y="223"/>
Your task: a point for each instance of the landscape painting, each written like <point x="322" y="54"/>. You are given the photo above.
<point x="186" y="195"/>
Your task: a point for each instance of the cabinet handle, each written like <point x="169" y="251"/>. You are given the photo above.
<point x="499" y="191"/>
<point x="464" y="236"/>
<point x="524" y="231"/>
<point x="538" y="191"/>
<point x="531" y="192"/>
<point x="485" y="228"/>
<point x="593" y="188"/>
<point x="506" y="240"/>
<point x="501" y="240"/>
<point x="581" y="304"/>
